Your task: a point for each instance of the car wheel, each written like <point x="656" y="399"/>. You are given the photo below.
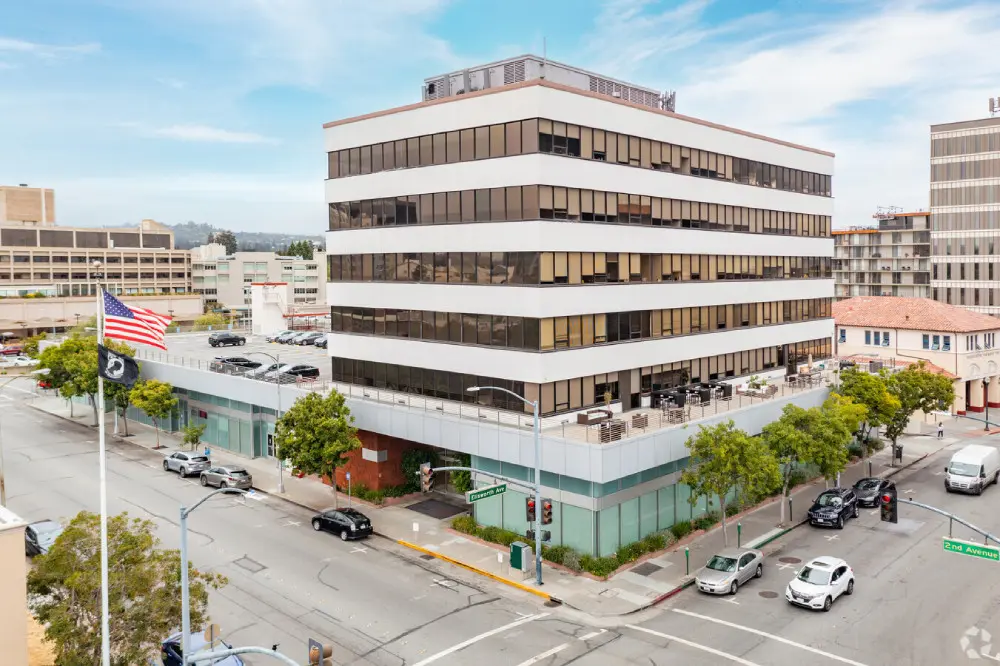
<point x="242" y="342"/>
<point x="316" y="525"/>
<point x="223" y="484"/>
<point x="184" y="472"/>
<point x="827" y="603"/>
<point x="855" y="511"/>
<point x="979" y="490"/>
<point x="343" y="535"/>
<point x="760" y="571"/>
<point x="166" y="466"/>
<point x="732" y="588"/>
<point x="840" y="522"/>
<point x="850" y="587"/>
<point x="204" y="480"/>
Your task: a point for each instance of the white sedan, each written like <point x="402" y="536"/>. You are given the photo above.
<point x="18" y="362"/>
<point x="820" y="583"/>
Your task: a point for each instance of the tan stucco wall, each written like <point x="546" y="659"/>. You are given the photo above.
<point x="13" y="597"/>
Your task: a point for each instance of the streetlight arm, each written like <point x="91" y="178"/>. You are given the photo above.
<point x="477" y="389"/>
<point x="231" y="491"/>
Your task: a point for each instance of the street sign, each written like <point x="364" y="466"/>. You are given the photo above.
<point x="482" y="493"/>
<point x="972" y="549"/>
<point x="348" y="476"/>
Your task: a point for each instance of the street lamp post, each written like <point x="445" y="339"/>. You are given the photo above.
<point x="185" y="594"/>
<point x="277" y="384"/>
<point x="986" y="401"/>
<point x="538" y="472"/>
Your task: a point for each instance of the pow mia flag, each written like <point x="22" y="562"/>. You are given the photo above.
<point x="116" y="367"/>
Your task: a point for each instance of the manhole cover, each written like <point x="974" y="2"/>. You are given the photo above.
<point x="646" y="568"/>
<point x="790" y="560"/>
<point x="768" y="594"/>
<point x="253" y="566"/>
<point x="427" y="557"/>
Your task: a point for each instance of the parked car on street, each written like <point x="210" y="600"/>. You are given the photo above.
<point x="308" y="338"/>
<point x="39" y="537"/>
<point x="833" y="507"/>
<point x="186" y="462"/>
<point x="729" y="569"/>
<point x="820" y="583"/>
<point x="171" y="650"/>
<point x="271" y="337"/>
<point x="870" y="490"/>
<point x="348" y="523"/>
<point x="226" y="338"/>
<point x="227" y="476"/>
<point x="290" y="370"/>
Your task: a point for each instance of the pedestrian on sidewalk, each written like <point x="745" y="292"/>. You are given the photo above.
<point x="940" y="429"/>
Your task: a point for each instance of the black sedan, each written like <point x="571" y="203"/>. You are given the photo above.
<point x="348" y="523"/>
<point x="240" y="361"/>
<point x="833" y="507"/>
<point x="870" y="490"/>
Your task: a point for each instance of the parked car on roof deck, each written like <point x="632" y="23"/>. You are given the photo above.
<point x="274" y="336"/>
<point x="322" y="342"/>
<point x="226" y="338"/>
<point x="308" y="338"/>
<point x="240" y="361"/>
<point x="286" y="337"/>
<point x="292" y="372"/>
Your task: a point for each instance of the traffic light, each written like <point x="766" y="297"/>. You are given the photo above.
<point x="529" y="509"/>
<point x="890" y="507"/>
<point x="426" y="477"/>
<point x="546" y="512"/>
<point x="319" y="654"/>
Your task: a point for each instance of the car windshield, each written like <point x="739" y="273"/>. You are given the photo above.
<point x="866" y="484"/>
<point x="719" y="563"/>
<point x="829" y="500"/>
<point x="963" y="469"/>
<point x="814" y="576"/>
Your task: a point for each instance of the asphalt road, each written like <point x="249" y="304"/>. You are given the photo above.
<point x="195" y="346"/>
<point x="378" y="604"/>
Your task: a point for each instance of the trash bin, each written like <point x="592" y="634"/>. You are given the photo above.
<point x="520" y="556"/>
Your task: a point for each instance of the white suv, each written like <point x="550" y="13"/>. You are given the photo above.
<point x="820" y="582"/>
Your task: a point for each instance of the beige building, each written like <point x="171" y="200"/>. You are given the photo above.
<point x="27" y="205"/>
<point x="890" y="258"/>
<point x="226" y="279"/>
<point x="955" y="340"/>
<point x="965" y="207"/>
<point x="28" y="316"/>
<point x="13" y="591"/>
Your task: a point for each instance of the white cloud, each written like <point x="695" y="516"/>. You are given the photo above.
<point x="47" y="51"/>
<point x="207" y="134"/>
<point x="866" y="86"/>
<point x="176" y="84"/>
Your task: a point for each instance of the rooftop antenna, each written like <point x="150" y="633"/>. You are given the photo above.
<point x="994" y="106"/>
<point x="545" y="61"/>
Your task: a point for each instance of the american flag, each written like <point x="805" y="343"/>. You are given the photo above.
<point x="122" y="322"/>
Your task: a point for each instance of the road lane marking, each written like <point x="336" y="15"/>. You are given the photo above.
<point x="292" y="523"/>
<point x="730" y="600"/>
<point x="872" y="513"/>
<point x="475" y="639"/>
<point x="758" y="632"/>
<point x="832" y="537"/>
<point x="697" y="646"/>
<point x="358" y="549"/>
<point x="784" y="565"/>
<point x="908" y="492"/>
<point x="593" y="634"/>
<point x="545" y="655"/>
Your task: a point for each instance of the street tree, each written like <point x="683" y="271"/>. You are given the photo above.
<point x="790" y="444"/>
<point x="157" y="399"/>
<point x="226" y="238"/>
<point x="316" y="434"/>
<point x="192" y="434"/>
<point x="916" y="388"/>
<point x="144" y="595"/>
<point x="72" y="368"/>
<point x="121" y="399"/>
<point x="872" y="391"/>
<point x="724" y="458"/>
<point x="832" y="428"/>
<point x="209" y="320"/>
<point x="30" y="345"/>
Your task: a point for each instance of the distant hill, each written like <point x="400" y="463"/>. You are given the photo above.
<point x="192" y="234"/>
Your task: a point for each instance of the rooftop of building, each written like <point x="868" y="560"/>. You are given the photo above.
<point x="966" y="124"/>
<point x="576" y="91"/>
<point x="873" y="362"/>
<point x="913" y="314"/>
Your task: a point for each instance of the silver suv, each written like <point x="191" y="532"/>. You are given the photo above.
<point x="185" y="463"/>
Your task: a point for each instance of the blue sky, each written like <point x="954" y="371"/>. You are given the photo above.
<point x="211" y="110"/>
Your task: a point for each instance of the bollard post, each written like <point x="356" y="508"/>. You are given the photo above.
<point x="687" y="561"/>
<point x="789" y="508"/>
<point x="739" y="534"/>
<point x="869" y="467"/>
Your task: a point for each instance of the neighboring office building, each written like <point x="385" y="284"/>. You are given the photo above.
<point x="565" y="244"/>
<point x="13" y="590"/>
<point x="226" y="279"/>
<point x="965" y="207"/>
<point x="956" y="341"/>
<point x="23" y="205"/>
<point x="891" y="258"/>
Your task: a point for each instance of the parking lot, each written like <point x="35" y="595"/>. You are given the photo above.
<point x="195" y="346"/>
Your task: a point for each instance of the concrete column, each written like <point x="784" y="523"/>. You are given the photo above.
<point x="993" y="394"/>
<point x="959" y="406"/>
<point x="976" y="403"/>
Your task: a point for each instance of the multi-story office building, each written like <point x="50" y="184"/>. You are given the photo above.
<point x="965" y="207"/>
<point x="579" y="250"/>
<point x="891" y="258"/>
<point x="225" y="279"/>
<point x="33" y="206"/>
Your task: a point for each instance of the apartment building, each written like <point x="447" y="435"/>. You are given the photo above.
<point x="580" y="250"/>
<point x="225" y="279"/>
<point x="965" y="207"/>
<point x="889" y="258"/>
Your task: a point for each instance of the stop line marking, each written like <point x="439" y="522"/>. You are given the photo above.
<point x="475" y="639"/>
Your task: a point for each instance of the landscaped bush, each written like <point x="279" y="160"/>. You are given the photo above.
<point x="681" y="529"/>
<point x="468" y="525"/>
<point x="464" y="524"/>
<point x="599" y="566"/>
<point x="555" y="554"/>
<point x="653" y="542"/>
<point x="571" y="560"/>
<point x="630" y="552"/>
<point x="707" y="521"/>
<point x="732" y="510"/>
<point x="797" y="478"/>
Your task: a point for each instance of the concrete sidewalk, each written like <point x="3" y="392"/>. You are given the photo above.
<point x="648" y="581"/>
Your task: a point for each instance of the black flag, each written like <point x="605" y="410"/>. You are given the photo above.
<point x="115" y="367"/>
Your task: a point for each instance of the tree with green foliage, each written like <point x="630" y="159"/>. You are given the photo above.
<point x="84" y="327"/>
<point x="64" y="588"/>
<point x="724" y="458"/>
<point x="302" y="249"/>
<point x="121" y="399"/>
<point x="157" y="399"/>
<point x="226" y="238"/>
<point x="316" y="434"/>
<point x="209" y="320"/>
<point x="30" y="345"/>
<point x="871" y="391"/>
<point x="916" y="388"/>
<point x="790" y="445"/>
<point x="192" y="434"/>
<point x="72" y="368"/>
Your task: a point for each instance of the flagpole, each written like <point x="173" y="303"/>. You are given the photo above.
<point x="105" y="619"/>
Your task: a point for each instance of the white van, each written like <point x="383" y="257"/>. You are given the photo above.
<point x="972" y="469"/>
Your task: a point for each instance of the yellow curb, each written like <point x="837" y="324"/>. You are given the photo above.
<point x="481" y="572"/>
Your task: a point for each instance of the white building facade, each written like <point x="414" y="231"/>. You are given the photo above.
<point x="580" y="251"/>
